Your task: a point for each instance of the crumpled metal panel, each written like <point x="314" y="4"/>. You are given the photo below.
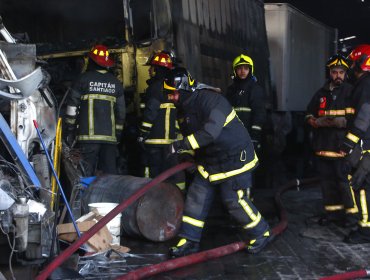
<point x="22" y="58"/>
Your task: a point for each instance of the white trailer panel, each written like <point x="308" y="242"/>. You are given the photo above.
<point x="299" y="48"/>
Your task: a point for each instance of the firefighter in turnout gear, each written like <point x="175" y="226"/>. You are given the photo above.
<point x="248" y="98"/>
<point x="328" y="113"/>
<point x="158" y="126"/>
<point x="358" y="138"/>
<point x="95" y="113"/>
<point x="224" y="157"/>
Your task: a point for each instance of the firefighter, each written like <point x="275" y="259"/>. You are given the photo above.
<point x="358" y="135"/>
<point x="248" y="98"/>
<point x="328" y="113"/>
<point x="158" y="126"/>
<point x="224" y="157"/>
<point x="95" y="113"/>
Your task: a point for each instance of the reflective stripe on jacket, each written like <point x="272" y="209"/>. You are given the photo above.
<point x="98" y="97"/>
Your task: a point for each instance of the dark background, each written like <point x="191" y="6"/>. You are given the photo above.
<point x="350" y="17"/>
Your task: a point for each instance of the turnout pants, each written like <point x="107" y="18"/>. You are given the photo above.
<point x="155" y="160"/>
<point x="233" y="193"/>
<point x="363" y="201"/>
<point x="338" y="196"/>
<point x="98" y="156"/>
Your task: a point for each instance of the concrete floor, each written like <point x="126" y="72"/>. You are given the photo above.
<point x="304" y="250"/>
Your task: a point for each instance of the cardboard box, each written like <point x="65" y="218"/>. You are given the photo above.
<point x="100" y="241"/>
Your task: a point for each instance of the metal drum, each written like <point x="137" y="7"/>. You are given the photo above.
<point x="155" y="216"/>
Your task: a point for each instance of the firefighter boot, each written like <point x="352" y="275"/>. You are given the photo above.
<point x="351" y="221"/>
<point x="183" y="248"/>
<point x="357" y="237"/>
<point x="256" y="245"/>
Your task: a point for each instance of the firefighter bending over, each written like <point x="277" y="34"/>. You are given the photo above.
<point x="225" y="158"/>
<point x="358" y="134"/>
<point x="328" y="113"/>
<point x="96" y="112"/>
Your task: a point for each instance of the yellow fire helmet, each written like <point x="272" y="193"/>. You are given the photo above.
<point x="243" y="60"/>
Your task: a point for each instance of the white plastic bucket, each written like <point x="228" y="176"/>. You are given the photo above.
<point x="114" y="226"/>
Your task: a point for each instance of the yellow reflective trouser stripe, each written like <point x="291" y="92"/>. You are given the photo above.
<point x="245" y="205"/>
<point x="256" y="127"/>
<point x="119" y="126"/>
<point x="230" y="117"/>
<point x="355" y="208"/>
<point x="146" y="172"/>
<point x="181" y="242"/>
<point x="365" y="151"/>
<point x="145" y="124"/>
<point x="99" y="97"/>
<point x="329" y="154"/>
<point x="334" y="207"/>
<point x="190" y="152"/>
<point x="167" y="105"/>
<point x="192" y="221"/>
<point x="242" y="109"/>
<point x="202" y="171"/>
<point x="246" y="167"/>
<point x="159" y="141"/>
<point x="254" y="223"/>
<point x="352" y="137"/>
<point x="365" y="215"/>
<point x="193" y="142"/>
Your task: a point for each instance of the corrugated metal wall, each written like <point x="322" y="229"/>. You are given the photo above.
<point x="211" y="33"/>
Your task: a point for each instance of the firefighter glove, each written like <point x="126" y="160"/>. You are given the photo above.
<point x="354" y="156"/>
<point x="324" y="122"/>
<point x="256" y="139"/>
<point x="141" y="139"/>
<point x="363" y="170"/>
<point x="176" y="147"/>
<point x="346" y="147"/>
<point x="188" y="157"/>
<point x="312" y="122"/>
<point x="340" y="122"/>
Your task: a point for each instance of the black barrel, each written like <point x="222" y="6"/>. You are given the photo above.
<point x="155" y="216"/>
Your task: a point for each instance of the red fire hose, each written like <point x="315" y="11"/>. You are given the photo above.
<point x="191" y="259"/>
<point x="120" y="208"/>
<point x="348" y="275"/>
<point x="151" y="270"/>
